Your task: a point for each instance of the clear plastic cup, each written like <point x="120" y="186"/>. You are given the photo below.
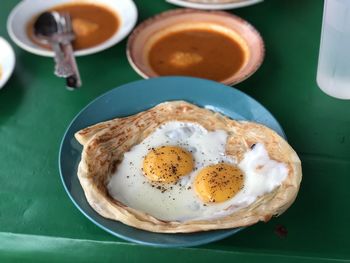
<point x="333" y="72"/>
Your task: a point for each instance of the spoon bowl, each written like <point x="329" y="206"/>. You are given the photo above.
<point x="46" y="25"/>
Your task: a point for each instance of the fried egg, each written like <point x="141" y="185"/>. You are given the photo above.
<point x="181" y="172"/>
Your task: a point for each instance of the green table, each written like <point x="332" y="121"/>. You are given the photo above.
<point x="39" y="223"/>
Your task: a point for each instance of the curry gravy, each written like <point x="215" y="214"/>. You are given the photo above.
<point x="197" y="52"/>
<point x="92" y="24"/>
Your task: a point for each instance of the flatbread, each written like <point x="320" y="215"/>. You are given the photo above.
<point x="105" y="143"/>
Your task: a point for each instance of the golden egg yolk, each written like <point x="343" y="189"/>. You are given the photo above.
<point x="218" y="183"/>
<point x="167" y="164"/>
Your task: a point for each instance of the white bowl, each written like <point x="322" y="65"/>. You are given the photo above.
<point x="27" y="9"/>
<point x="7" y="61"/>
<point x="143" y="36"/>
<point x="215" y="5"/>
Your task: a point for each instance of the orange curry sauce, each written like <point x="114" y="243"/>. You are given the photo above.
<point x="198" y="53"/>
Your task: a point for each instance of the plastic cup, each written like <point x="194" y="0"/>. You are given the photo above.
<point x="333" y="72"/>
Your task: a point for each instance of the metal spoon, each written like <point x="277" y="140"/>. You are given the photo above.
<point x="47" y="29"/>
<point x="74" y="80"/>
<point x="51" y="28"/>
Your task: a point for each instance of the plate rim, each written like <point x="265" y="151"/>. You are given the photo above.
<point x="226" y="232"/>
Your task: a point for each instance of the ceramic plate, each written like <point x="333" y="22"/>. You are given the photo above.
<point x="214" y="5"/>
<point x="121" y="102"/>
<point x="27" y="9"/>
<point x="143" y="37"/>
<point x="7" y="61"/>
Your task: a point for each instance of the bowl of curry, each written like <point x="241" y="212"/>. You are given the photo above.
<point x="97" y="24"/>
<point x="211" y="45"/>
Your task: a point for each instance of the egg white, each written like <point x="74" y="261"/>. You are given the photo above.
<point x="179" y="202"/>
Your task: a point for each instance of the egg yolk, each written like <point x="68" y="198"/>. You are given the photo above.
<point x="218" y="183"/>
<point x="167" y="164"/>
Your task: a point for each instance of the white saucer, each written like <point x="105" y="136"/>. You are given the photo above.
<point x="27" y="9"/>
<point x="214" y="6"/>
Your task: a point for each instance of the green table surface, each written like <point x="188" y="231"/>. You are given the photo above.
<point x="39" y="223"/>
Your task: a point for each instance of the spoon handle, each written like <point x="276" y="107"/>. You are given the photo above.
<point x="62" y="68"/>
<point x="73" y="81"/>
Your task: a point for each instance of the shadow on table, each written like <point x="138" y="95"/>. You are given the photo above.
<point x="11" y="94"/>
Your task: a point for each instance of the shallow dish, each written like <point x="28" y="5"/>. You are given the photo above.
<point x="26" y="10"/>
<point x="120" y="102"/>
<point x="7" y="61"/>
<point x="214" y="5"/>
<point x="147" y="33"/>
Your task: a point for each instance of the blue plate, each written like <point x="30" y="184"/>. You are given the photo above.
<point x="139" y="96"/>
